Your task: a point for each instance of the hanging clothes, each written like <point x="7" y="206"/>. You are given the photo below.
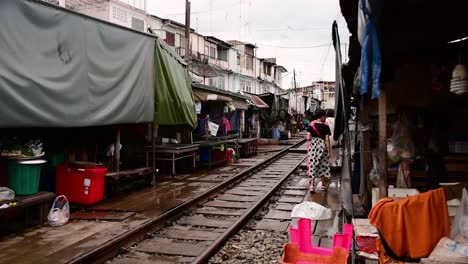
<point x="371" y="61"/>
<point x="226" y="124"/>
<point x="342" y="97"/>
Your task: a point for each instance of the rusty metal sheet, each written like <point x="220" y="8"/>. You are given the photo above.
<point x="199" y="220"/>
<point x="284" y="206"/>
<point x="175" y="233"/>
<point x="272" y="225"/>
<point x="237" y="198"/>
<point x="294" y="200"/>
<point x="278" y="215"/>
<point x="169" y="247"/>
<point x="241" y="192"/>
<point x="224" y="204"/>
<point x="295" y="192"/>
<point x="219" y="211"/>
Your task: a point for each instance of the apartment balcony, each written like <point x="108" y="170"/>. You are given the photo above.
<point x="267" y="78"/>
<point x="220" y="64"/>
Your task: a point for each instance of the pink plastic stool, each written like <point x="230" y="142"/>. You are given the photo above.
<point x="302" y="235"/>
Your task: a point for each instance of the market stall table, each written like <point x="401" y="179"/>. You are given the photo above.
<point x="206" y="148"/>
<point x="173" y="152"/>
<point x="36" y="208"/>
<point x="248" y="146"/>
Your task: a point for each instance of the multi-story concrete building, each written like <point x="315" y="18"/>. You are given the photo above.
<point x="323" y="91"/>
<point x="228" y="65"/>
<point x="131" y="14"/>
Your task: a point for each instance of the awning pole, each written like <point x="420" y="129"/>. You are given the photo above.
<point x="153" y="142"/>
<point x="383" y="188"/>
<point x="117" y="150"/>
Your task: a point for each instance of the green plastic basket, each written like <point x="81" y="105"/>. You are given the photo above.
<point x="24" y="178"/>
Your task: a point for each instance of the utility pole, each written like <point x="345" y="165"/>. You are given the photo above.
<point x="295" y="91"/>
<point x="187" y="30"/>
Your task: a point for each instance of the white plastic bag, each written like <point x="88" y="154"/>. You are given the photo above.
<point x="6" y="194"/>
<point x="213" y="127"/>
<point x="311" y="210"/>
<point x="460" y="223"/>
<point x="60" y="211"/>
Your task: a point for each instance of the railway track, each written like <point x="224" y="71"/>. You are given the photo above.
<point x="195" y="230"/>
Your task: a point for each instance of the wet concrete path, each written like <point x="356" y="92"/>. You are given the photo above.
<point x="64" y="244"/>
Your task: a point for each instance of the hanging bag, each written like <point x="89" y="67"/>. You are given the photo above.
<point x="460" y="223"/>
<point x="60" y="211"/>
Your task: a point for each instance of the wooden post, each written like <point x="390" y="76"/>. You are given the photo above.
<point x="153" y="143"/>
<point x="383" y="185"/>
<point x="117" y="150"/>
<point x="366" y="156"/>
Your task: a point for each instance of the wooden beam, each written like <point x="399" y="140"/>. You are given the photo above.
<point x="383" y="185"/>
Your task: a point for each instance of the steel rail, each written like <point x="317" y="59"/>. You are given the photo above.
<point x="113" y="247"/>
<point x="233" y="229"/>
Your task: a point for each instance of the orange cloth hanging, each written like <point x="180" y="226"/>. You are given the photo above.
<point x="412" y="227"/>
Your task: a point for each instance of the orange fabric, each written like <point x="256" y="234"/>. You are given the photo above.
<point x="383" y="257"/>
<point x="412" y="227"/>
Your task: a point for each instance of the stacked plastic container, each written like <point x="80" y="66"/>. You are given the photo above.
<point x="301" y="250"/>
<point x="81" y="185"/>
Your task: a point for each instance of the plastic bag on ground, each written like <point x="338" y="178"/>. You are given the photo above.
<point x="6" y="194"/>
<point x="60" y="211"/>
<point x="311" y="210"/>
<point x="460" y="222"/>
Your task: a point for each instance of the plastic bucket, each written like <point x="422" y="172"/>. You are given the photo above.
<point x="47" y="182"/>
<point x="24" y="176"/>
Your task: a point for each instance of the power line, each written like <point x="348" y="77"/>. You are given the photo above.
<point x="294" y="29"/>
<point x="293" y="47"/>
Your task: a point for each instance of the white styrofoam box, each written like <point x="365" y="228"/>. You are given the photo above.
<point x="394" y="193"/>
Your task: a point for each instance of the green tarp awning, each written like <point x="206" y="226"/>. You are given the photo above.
<point x="174" y="104"/>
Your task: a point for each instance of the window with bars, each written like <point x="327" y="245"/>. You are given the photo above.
<point x="138" y="24"/>
<point x="246" y="86"/>
<point x="213" y="52"/>
<point x="222" y="54"/>
<point x="170" y="38"/>
<point x="119" y="14"/>
<point x="221" y="82"/>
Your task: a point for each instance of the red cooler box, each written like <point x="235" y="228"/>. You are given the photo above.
<point x="79" y="185"/>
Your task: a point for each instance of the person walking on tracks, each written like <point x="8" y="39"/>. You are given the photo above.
<point x="318" y="137"/>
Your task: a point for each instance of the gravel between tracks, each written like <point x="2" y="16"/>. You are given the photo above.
<point x="250" y="246"/>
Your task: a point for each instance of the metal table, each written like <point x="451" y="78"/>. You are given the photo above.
<point x="171" y="152"/>
<point x="213" y="143"/>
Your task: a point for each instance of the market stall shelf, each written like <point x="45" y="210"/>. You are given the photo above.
<point x="173" y="152"/>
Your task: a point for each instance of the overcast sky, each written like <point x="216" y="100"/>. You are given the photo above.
<point x="281" y="29"/>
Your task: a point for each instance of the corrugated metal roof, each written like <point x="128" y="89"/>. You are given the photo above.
<point x="259" y="103"/>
